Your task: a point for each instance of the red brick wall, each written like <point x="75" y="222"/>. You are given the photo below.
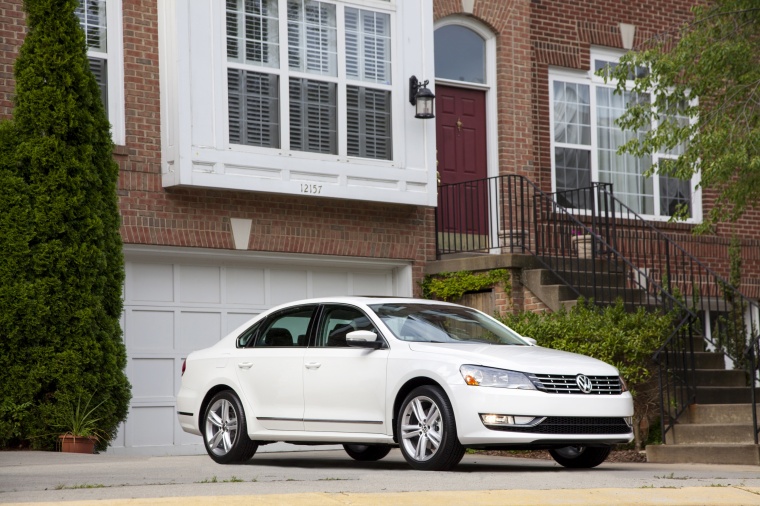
<point x="200" y="218"/>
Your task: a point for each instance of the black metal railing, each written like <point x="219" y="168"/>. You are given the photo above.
<point x="600" y="248"/>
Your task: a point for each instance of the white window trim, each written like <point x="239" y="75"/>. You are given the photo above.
<point x="490" y="86"/>
<point x="590" y="79"/>
<point x="396" y="89"/>
<point x="115" y="58"/>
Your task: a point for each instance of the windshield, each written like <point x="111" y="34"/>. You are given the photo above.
<point x="434" y="323"/>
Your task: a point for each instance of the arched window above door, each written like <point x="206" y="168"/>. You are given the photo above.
<point x="460" y="54"/>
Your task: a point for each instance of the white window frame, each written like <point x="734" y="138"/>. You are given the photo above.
<point x="114" y="56"/>
<point x="285" y="73"/>
<point x="590" y="79"/>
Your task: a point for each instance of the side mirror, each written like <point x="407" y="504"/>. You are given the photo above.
<point x="530" y="340"/>
<point x="363" y="339"/>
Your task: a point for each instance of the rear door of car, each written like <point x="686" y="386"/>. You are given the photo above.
<point x="270" y="369"/>
<point x="344" y="387"/>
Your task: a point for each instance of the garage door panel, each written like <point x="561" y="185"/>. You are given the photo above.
<point x="198" y="330"/>
<point x="371" y="283"/>
<point x="150" y="282"/>
<point x="153" y="380"/>
<point x="200" y="284"/>
<point x="245" y="286"/>
<point x="151" y="426"/>
<point x="325" y="284"/>
<point x="150" y="330"/>
<point x="287" y="286"/>
<point x="234" y="320"/>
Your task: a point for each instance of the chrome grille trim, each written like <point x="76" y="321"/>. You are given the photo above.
<point x="565" y="384"/>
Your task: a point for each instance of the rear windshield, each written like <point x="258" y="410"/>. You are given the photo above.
<point x="434" y="323"/>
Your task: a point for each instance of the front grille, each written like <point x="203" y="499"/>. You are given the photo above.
<point x="573" y="425"/>
<point x="565" y="384"/>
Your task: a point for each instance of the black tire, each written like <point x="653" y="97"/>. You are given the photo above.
<point x="430" y="444"/>
<point x="225" y="432"/>
<point x="366" y="453"/>
<point x="580" y="457"/>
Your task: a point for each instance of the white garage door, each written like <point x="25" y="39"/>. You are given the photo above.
<point x="179" y="300"/>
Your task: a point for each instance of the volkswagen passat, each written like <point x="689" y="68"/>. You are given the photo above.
<point x="373" y="373"/>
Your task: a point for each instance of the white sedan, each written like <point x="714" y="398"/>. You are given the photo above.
<point x="430" y="377"/>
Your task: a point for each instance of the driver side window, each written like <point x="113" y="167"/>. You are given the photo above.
<point x="338" y="321"/>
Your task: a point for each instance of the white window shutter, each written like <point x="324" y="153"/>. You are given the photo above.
<point x="313" y="116"/>
<point x="253" y="108"/>
<point x="369" y="123"/>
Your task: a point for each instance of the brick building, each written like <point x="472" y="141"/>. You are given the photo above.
<point x="269" y="152"/>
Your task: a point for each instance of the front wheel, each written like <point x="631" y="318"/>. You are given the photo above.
<point x="580" y="457"/>
<point x="427" y="430"/>
<point x="366" y="453"/>
<point x="225" y="434"/>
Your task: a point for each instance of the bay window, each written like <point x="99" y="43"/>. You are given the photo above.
<point x="309" y="76"/>
<point x="586" y="139"/>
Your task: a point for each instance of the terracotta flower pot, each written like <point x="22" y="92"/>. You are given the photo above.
<point x="77" y="444"/>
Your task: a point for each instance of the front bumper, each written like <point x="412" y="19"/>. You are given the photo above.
<point x="570" y="418"/>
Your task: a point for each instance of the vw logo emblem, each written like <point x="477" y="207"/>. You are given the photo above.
<point x="584" y="383"/>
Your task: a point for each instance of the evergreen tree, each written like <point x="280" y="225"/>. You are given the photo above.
<point x="62" y="268"/>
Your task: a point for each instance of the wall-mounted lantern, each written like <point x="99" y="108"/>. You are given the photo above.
<point x="422" y="98"/>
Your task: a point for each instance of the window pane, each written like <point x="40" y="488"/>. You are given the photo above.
<point x="460" y="54"/>
<point x="674" y="194"/>
<point x="99" y="68"/>
<point x="253" y="108"/>
<point x="368" y="46"/>
<point x="625" y="172"/>
<point x="338" y="321"/>
<point x="92" y="18"/>
<point x="312" y="37"/>
<point x="313" y="116"/>
<point x="573" y="171"/>
<point x="369" y="123"/>
<point x="286" y="329"/>
<point x="572" y="113"/>
<point x="252" y="32"/>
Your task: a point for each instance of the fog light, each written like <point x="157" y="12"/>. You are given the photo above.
<point x="525" y="421"/>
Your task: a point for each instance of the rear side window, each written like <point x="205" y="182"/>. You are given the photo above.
<point x="288" y="328"/>
<point x="248" y="337"/>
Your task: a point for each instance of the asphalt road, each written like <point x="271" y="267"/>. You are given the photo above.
<point x="331" y="477"/>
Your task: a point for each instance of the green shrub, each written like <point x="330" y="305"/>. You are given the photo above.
<point x="62" y="270"/>
<point x="451" y="286"/>
<point x="624" y="339"/>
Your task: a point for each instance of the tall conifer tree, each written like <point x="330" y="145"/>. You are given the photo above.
<point x="60" y="288"/>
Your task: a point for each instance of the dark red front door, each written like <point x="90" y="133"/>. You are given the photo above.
<point x="461" y="144"/>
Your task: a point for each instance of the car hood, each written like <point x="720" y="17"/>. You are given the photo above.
<point x="531" y="359"/>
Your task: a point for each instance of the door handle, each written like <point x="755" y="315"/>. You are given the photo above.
<point x="313" y="365"/>
<point x="245" y="365"/>
<point x="459" y="124"/>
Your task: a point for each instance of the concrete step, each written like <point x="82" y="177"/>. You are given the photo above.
<point x="720" y="378"/>
<point x="736" y="454"/>
<point x="702" y="360"/>
<point x="710" y="433"/>
<point x="725" y="395"/>
<point x="720" y="413"/>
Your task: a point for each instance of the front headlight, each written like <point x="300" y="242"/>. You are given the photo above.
<point x="479" y="376"/>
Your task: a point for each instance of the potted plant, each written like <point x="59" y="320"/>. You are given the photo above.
<point x="81" y="425"/>
<point x="582" y="243"/>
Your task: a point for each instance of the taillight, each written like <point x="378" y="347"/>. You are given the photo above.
<point x="184" y="365"/>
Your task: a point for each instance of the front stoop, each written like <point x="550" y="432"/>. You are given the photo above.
<point x="736" y="454"/>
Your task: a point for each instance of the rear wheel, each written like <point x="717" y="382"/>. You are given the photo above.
<point x="366" y="453"/>
<point x="225" y="433"/>
<point x="580" y="457"/>
<point x="427" y="430"/>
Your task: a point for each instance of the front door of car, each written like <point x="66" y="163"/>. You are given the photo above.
<point x="344" y="387"/>
<point x="270" y="370"/>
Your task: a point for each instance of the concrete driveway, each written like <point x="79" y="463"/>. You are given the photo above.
<point x="331" y="477"/>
